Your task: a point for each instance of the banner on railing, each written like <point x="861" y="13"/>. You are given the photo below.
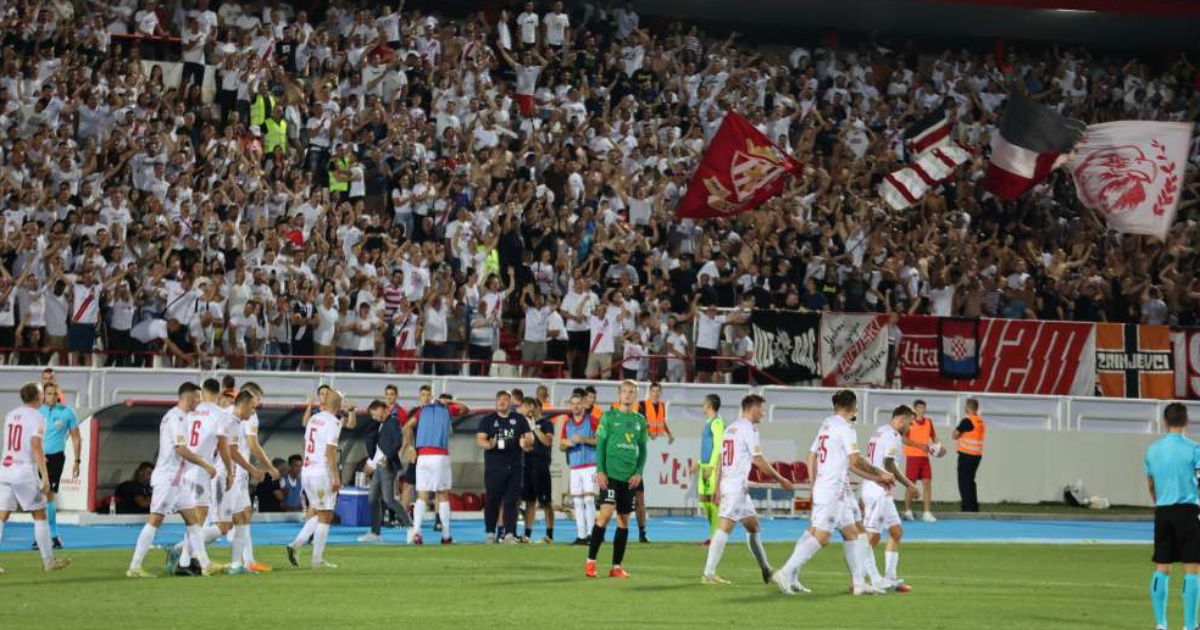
<point x="1015" y="356"/>
<point x="958" y="342"/>
<point x="1134" y="361"/>
<point x="1185" y="347"/>
<point x="785" y="344"/>
<point x="854" y="349"/>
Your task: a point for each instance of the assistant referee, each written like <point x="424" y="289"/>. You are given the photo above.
<point x="1171" y="464"/>
<point x="61" y="423"/>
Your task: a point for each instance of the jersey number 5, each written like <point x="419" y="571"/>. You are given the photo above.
<point x="308" y="444"/>
<point x="821" y="450"/>
<point x="727" y="453"/>
<point x="15" y="431"/>
<point x="870" y="451"/>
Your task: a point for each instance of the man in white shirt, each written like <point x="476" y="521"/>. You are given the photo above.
<point x="533" y="342"/>
<point x="603" y="328"/>
<point x="84" y="315"/>
<point x="320" y="479"/>
<point x="193" y="39"/>
<point x="834" y="454"/>
<point x="879" y="506"/>
<point x="556" y="23"/>
<point x="576" y="307"/>
<point x="741" y="450"/>
<point x="527" y="26"/>
<point x="708" y="339"/>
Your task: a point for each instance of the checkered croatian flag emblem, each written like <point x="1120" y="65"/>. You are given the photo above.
<point x="958" y="347"/>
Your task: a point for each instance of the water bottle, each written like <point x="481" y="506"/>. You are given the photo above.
<point x="112" y="505"/>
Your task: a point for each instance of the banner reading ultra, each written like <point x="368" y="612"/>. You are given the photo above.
<point x="1134" y="361"/>
<point x="1015" y="356"/>
<point x="854" y="350"/>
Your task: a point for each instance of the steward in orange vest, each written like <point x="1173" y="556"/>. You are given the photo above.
<point x="970" y="434"/>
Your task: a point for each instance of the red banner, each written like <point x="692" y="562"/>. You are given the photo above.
<point x="1185" y="344"/>
<point x="741" y="170"/>
<point x="1016" y="356"/>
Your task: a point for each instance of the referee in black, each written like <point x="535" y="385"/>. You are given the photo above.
<point x="504" y="438"/>
<point x="1171" y="464"/>
<point x="535" y="490"/>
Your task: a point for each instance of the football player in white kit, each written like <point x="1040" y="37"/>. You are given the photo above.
<point x="881" y="515"/>
<point x="264" y="464"/>
<point x="172" y="492"/>
<point x="834" y="504"/>
<point x="740" y="450"/>
<point x="206" y="428"/>
<point x="24" y="481"/>
<point x="230" y="507"/>
<point x="320" y="478"/>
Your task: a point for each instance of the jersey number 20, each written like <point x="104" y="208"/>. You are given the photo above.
<point x="727" y="453"/>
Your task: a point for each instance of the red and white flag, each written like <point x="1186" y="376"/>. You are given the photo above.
<point x="1131" y="172"/>
<point x="739" y="172"/>
<point x="1027" y="146"/>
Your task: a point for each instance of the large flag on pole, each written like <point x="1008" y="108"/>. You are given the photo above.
<point x="740" y="171"/>
<point x="1027" y="146"/>
<point x="1131" y="172"/>
<point x="934" y="156"/>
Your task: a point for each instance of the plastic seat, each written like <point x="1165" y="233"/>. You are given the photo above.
<point x="800" y="472"/>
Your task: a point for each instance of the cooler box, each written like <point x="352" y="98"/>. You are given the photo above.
<point x="353" y="508"/>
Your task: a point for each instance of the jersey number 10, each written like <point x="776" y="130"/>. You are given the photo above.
<point x="15" y="431"/>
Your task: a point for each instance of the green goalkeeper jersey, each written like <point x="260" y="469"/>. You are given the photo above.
<point x="621" y="444"/>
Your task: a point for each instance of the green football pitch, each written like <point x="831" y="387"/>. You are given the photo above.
<point x="532" y="587"/>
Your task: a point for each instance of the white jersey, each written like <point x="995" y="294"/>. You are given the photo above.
<point x="834" y="445"/>
<point x="170" y="468"/>
<point x="204" y="426"/>
<point x="236" y="432"/>
<point x="323" y="430"/>
<point x="740" y="446"/>
<point x="21" y="425"/>
<point x="885" y="444"/>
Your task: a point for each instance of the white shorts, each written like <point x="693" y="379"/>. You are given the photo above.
<point x="835" y="514"/>
<point x="319" y="491"/>
<point x="167" y="499"/>
<point x="221" y="508"/>
<point x="881" y="512"/>
<point x="582" y="481"/>
<point x="735" y="501"/>
<point x="201" y="488"/>
<point x="240" y="499"/>
<point x="433" y="473"/>
<point x="24" y="495"/>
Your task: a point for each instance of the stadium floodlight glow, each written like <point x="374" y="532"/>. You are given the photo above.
<point x="1072" y="10"/>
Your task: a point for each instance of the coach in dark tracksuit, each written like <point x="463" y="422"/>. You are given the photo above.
<point x="386" y="434"/>
<point x="504" y="438"/>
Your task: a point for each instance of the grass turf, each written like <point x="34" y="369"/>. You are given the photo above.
<point x="469" y="586"/>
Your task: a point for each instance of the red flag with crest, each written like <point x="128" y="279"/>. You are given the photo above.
<point x="741" y="170"/>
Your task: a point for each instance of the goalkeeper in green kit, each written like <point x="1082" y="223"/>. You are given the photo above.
<point x="620" y="459"/>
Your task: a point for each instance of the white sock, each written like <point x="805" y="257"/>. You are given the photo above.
<point x="247" y="546"/>
<point x="581" y="528"/>
<point x="1" y="531"/>
<point x="184" y="547"/>
<point x="854" y="561"/>
<point x="756" y="549"/>
<point x="237" y="540"/>
<point x="891" y="560"/>
<point x="41" y="534"/>
<point x="418" y="516"/>
<point x="144" y="542"/>
<point x="210" y="533"/>
<point x="319" y="537"/>
<point x="866" y="560"/>
<point x="590" y="505"/>
<point x="716" y="547"/>
<point x="805" y="549"/>
<point x="195" y="540"/>
<point x="444" y="512"/>
<point x="305" y="532"/>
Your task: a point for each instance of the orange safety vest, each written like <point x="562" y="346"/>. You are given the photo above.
<point x="920" y="431"/>
<point x="656" y="416"/>
<point x="971" y="442"/>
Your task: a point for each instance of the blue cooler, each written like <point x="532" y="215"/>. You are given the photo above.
<point x="353" y="509"/>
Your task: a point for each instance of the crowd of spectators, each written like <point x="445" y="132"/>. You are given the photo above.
<point x="349" y="180"/>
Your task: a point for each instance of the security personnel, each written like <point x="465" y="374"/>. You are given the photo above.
<point x="504" y="438"/>
<point x="655" y="412"/>
<point x="339" y="172"/>
<point x="275" y="132"/>
<point x="969" y="434"/>
<point x="1171" y="464"/>
<point x="262" y="105"/>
